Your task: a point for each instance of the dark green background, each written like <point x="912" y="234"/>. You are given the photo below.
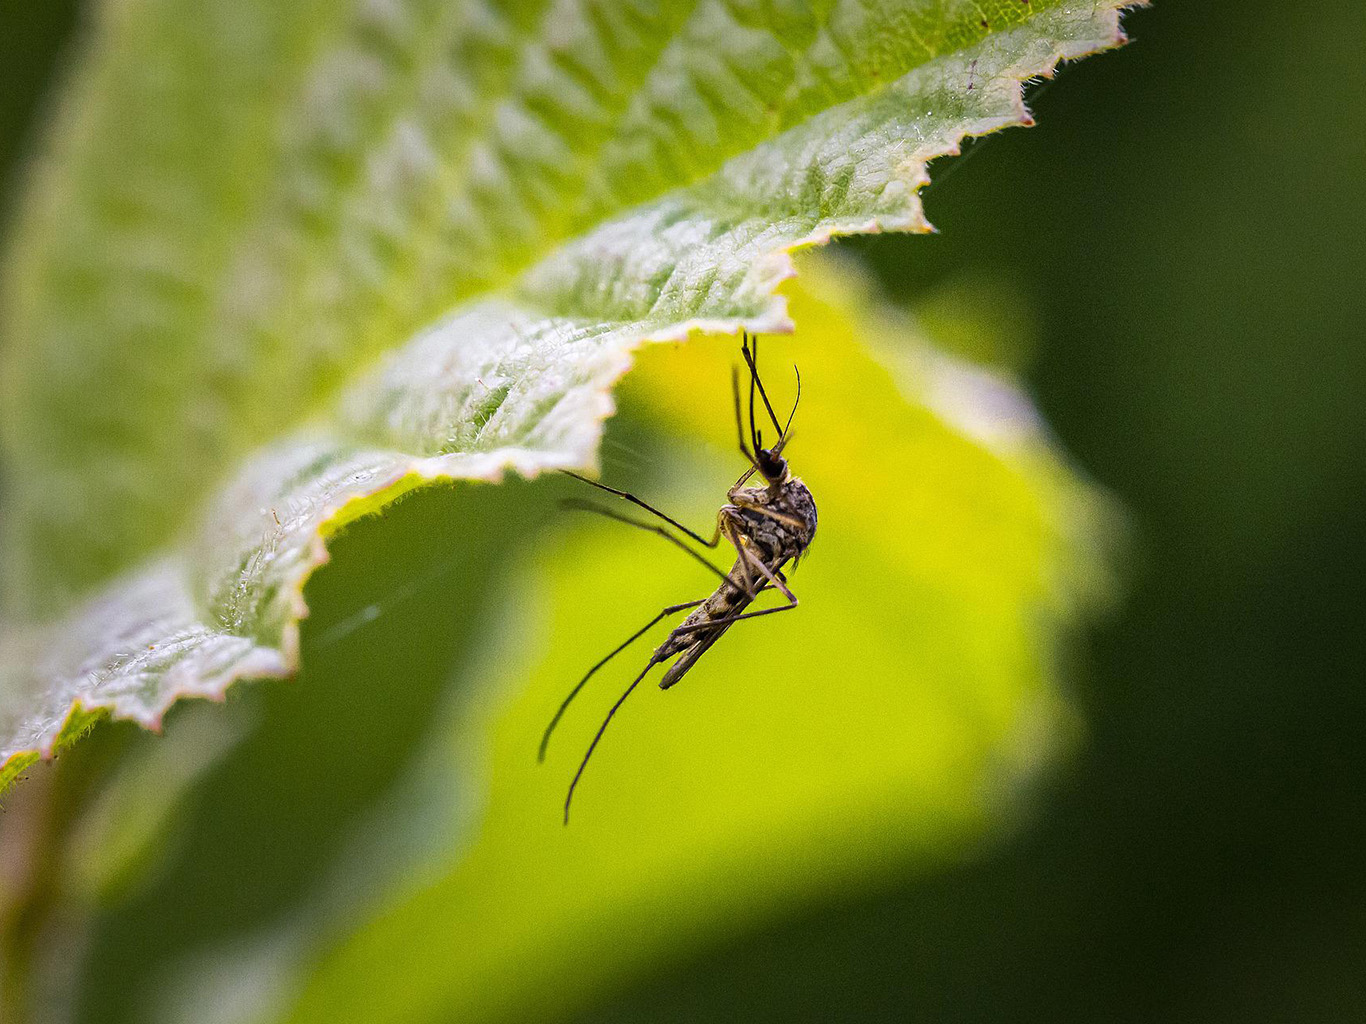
<point x="1188" y="221"/>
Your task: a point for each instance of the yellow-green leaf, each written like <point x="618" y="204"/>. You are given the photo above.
<point x="888" y="720"/>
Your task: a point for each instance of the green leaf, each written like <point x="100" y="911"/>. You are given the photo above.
<point x="283" y="262"/>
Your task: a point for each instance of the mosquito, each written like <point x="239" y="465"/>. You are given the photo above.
<point x="769" y="526"/>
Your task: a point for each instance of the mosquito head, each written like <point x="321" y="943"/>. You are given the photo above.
<point x="772" y="465"/>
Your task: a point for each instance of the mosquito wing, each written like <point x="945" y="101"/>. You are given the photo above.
<point x="692" y="654"/>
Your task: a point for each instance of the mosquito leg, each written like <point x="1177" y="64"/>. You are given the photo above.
<point x="684" y="630"/>
<point x="739" y="418"/>
<point x="602" y="729"/>
<point x="774" y="576"/>
<point x="742" y="563"/>
<point x="764" y="510"/>
<point x="755" y="441"/>
<point x="696" y="644"/>
<point x="776" y="579"/>
<point x="672" y="609"/>
<point x="588" y="506"/>
<point x="648" y="508"/>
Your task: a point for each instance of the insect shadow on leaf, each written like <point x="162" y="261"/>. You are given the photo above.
<point x="769" y="525"/>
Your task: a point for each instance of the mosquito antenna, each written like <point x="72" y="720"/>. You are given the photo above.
<point x="753" y="360"/>
<point x="744" y="347"/>
<point x="787" y="430"/>
<point x="739" y="420"/>
<point x="795" y="400"/>
<point x="602" y="729"/>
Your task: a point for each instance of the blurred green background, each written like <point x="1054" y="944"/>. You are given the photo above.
<point x="1184" y="223"/>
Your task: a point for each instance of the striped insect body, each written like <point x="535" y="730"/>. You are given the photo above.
<point x="770" y="525"/>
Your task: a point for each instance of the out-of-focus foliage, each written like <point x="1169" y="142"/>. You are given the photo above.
<point x="882" y="723"/>
<point x="280" y="258"/>
<point x="1185" y="223"/>
<point x="1181" y="227"/>
<point x="900" y="712"/>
